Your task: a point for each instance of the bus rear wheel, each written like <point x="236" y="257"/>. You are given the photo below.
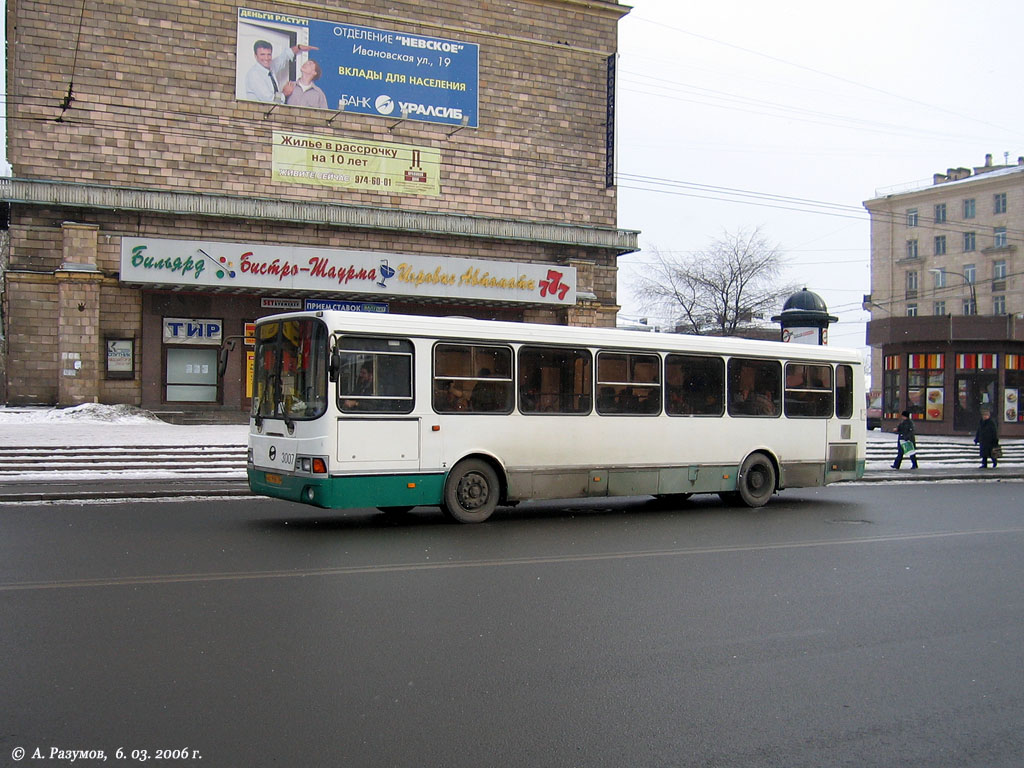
<point x="756" y="481"/>
<point x="471" y="491"/>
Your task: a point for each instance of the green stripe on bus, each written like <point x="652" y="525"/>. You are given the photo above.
<point x="351" y="492"/>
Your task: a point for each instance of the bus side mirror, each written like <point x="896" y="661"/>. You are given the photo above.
<point x="335" y="366"/>
<point x="222" y="362"/>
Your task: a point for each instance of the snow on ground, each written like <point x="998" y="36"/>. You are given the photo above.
<point x="92" y="424"/>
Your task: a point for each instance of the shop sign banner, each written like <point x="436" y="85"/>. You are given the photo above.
<point x="273" y="268"/>
<point x="295" y="61"/>
<point x="185" y="330"/>
<point x="301" y="158"/>
<point x="313" y="305"/>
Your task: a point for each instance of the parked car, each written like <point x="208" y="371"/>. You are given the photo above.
<point x="874" y="410"/>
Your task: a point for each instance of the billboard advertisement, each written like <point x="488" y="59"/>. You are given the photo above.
<point x="296" y="61"/>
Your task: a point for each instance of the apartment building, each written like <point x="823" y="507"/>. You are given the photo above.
<point x="947" y="299"/>
<point x="182" y="169"/>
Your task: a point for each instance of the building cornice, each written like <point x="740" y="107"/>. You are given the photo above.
<point x="80" y="195"/>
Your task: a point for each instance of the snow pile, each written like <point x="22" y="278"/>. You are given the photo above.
<point x="121" y="414"/>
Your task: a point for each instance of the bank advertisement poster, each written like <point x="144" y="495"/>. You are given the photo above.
<point x="301" y="62"/>
<point x="301" y="158"/>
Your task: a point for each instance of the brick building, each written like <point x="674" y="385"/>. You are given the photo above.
<point x="180" y="169"/>
<point x="947" y="299"/>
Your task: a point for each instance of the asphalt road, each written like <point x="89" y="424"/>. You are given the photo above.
<point x="864" y="626"/>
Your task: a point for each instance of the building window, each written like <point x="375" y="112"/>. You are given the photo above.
<point x="999" y="276"/>
<point x="940" y="213"/>
<point x="940" y="278"/>
<point x="912" y="284"/>
<point x="970" y="241"/>
<point x="940" y="245"/>
<point x="911" y="249"/>
<point x="912" y="217"/>
<point x="911" y="310"/>
<point x="970" y="273"/>
<point x="939" y="308"/>
<point x="969" y="208"/>
<point x="970" y="306"/>
<point x="999" y="238"/>
<point x="999" y="305"/>
<point x="999" y="203"/>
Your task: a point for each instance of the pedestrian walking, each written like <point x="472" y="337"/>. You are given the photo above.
<point x="906" y="442"/>
<point x="987" y="438"/>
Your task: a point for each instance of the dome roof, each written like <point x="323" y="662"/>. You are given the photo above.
<point x="805" y="300"/>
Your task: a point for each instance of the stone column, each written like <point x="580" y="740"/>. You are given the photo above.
<point x="79" y="345"/>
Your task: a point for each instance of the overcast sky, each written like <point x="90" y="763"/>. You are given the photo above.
<point x="813" y="107"/>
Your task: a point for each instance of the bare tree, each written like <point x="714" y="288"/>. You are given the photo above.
<point x="718" y="290"/>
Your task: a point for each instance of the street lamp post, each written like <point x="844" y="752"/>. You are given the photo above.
<point x="968" y="283"/>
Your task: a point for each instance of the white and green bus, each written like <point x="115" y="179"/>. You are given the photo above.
<point x="354" y="410"/>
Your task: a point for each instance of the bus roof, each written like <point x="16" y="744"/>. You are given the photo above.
<point x="540" y="333"/>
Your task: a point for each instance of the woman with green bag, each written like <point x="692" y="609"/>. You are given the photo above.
<point x="906" y="442"/>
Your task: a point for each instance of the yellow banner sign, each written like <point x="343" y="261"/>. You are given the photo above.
<point x="353" y="164"/>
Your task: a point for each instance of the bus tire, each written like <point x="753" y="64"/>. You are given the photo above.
<point x="756" y="481"/>
<point x="471" y="491"/>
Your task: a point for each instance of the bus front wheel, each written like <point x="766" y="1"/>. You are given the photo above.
<point x="756" y="481"/>
<point x="471" y="491"/>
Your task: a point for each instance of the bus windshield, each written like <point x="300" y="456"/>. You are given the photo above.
<point x="290" y="370"/>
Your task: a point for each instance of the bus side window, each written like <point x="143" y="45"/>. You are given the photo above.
<point x="375" y="375"/>
<point x="809" y="391"/>
<point x="555" y="380"/>
<point x="628" y="383"/>
<point x="472" y="378"/>
<point x="844" y="391"/>
<point x="755" y="387"/>
<point x="695" y="386"/>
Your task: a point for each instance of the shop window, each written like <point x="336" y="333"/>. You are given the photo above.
<point x="191" y="375"/>
<point x="695" y="386"/>
<point x="1013" y="389"/>
<point x="976" y="379"/>
<point x="892" y="400"/>
<point x="926" y="386"/>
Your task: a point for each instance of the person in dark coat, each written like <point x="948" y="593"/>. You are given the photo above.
<point x="987" y="438"/>
<point x="905" y="433"/>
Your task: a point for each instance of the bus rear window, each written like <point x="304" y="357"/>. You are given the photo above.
<point x="290" y="370"/>
<point x="374" y="375"/>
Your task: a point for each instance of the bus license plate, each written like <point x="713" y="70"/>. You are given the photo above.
<point x="275" y="479"/>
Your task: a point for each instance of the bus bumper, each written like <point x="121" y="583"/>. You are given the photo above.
<point x="349" y="492"/>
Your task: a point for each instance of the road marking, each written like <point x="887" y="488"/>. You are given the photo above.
<point x="354" y="570"/>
